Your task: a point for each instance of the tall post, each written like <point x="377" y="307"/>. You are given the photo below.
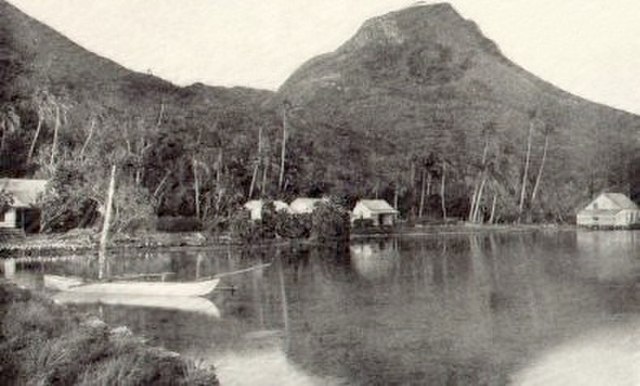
<point x="442" y="185"/>
<point x="284" y="145"/>
<point x="107" y="221"/>
<point x="196" y="188"/>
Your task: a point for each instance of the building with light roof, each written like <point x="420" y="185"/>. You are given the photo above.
<point x="609" y="210"/>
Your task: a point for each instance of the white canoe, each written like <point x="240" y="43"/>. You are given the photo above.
<point x="187" y="304"/>
<point x="152" y="288"/>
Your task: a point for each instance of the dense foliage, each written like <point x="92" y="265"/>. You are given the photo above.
<point x="418" y="108"/>
<point x="329" y="221"/>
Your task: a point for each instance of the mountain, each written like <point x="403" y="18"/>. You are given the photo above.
<point x="423" y="85"/>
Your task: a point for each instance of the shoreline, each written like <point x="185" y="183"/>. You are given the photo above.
<point x="47" y="343"/>
<point x="84" y="242"/>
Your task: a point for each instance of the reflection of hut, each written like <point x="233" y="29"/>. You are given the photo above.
<point x="379" y="211"/>
<point x="255" y="207"/>
<point x="612" y="210"/>
<point x="374" y="260"/>
<point x="608" y="255"/>
<point x="22" y="214"/>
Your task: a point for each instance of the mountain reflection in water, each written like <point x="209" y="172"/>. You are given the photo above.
<point x="477" y="309"/>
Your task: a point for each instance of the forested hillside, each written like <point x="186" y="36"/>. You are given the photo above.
<point x="68" y="114"/>
<point x="420" y="96"/>
<point x="418" y="105"/>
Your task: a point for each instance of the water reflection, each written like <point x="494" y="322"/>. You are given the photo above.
<point x="375" y="259"/>
<point x="457" y="309"/>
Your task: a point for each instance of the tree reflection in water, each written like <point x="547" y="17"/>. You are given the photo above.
<point x="449" y="309"/>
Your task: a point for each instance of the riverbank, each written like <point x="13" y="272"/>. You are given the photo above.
<point x="45" y="343"/>
<point x="85" y="241"/>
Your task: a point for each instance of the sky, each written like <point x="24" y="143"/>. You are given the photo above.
<point x="587" y="47"/>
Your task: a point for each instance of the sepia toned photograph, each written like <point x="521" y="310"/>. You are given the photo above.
<point x="338" y="192"/>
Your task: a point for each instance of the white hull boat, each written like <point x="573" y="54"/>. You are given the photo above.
<point x="186" y="304"/>
<point x="128" y="287"/>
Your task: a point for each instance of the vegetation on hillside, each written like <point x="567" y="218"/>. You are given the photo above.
<point x="418" y="108"/>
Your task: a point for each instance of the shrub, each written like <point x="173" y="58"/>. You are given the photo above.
<point x="44" y="344"/>
<point x="292" y="225"/>
<point x="242" y="228"/>
<point x="329" y="221"/>
<point x="178" y="224"/>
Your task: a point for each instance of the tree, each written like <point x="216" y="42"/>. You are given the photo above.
<point x="533" y="116"/>
<point x="548" y="129"/>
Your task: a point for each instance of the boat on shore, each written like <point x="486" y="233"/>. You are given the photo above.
<point x="131" y="287"/>
<point x="192" y="304"/>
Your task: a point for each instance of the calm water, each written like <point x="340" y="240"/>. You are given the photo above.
<point x="534" y="308"/>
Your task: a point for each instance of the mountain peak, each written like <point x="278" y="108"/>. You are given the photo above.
<point x="420" y="23"/>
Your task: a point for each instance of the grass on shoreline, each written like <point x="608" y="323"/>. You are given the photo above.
<point x="42" y="343"/>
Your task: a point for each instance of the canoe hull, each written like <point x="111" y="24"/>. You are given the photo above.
<point x="149" y="288"/>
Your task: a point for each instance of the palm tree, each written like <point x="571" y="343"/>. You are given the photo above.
<point x="533" y="118"/>
<point x="547" y="130"/>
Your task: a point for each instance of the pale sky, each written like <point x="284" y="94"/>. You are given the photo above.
<point x="588" y="47"/>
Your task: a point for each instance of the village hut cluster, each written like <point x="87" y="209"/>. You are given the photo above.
<point x="379" y="212"/>
<point x="606" y="211"/>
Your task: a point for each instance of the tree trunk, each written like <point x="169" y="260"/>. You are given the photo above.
<point x="474" y="199"/>
<point x="107" y="221"/>
<point x="395" y="196"/>
<point x="472" y="207"/>
<point x="258" y="161"/>
<point x="429" y="177"/>
<point x="525" y="176"/>
<point x="86" y="141"/>
<point x="3" y="128"/>
<point x="422" y="189"/>
<point x="196" y="188"/>
<point x="32" y="148"/>
<point x="284" y="148"/>
<point x="265" y="171"/>
<point x="253" y="181"/>
<point x="479" y="199"/>
<point x="56" y="128"/>
<point x="161" y="184"/>
<point x="493" y="209"/>
<point x="539" y="177"/>
<point x="442" y="188"/>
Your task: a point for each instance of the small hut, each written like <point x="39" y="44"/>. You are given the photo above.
<point x="302" y="205"/>
<point x="255" y="207"/>
<point x="609" y="210"/>
<point x="379" y="211"/>
<point x="22" y="213"/>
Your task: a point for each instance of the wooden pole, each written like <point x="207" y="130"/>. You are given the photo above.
<point x="107" y="220"/>
<point x="196" y="188"/>
<point x="422" y="187"/>
<point x="284" y="147"/>
<point x="442" y="187"/>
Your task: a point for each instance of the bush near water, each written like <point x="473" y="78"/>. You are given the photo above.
<point x="329" y="221"/>
<point x="42" y="343"/>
